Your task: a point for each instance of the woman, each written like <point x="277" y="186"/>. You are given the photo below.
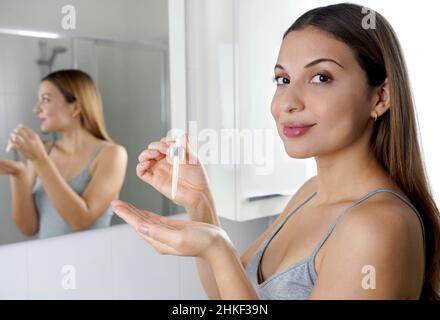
<point x="366" y="227"/>
<point x="68" y="187"/>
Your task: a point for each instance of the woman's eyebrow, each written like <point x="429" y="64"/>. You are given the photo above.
<point x="314" y="62"/>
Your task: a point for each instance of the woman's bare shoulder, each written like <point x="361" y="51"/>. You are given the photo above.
<point x="112" y="154"/>
<point x="113" y="148"/>
<point x="369" y="234"/>
<point x="304" y="191"/>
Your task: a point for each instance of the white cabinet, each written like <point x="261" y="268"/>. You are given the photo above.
<point x="231" y="49"/>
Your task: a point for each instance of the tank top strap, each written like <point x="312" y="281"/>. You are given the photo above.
<point x="296" y="208"/>
<point x="281" y="224"/>
<point x="364" y="197"/>
<point x="95" y="154"/>
<point x="269" y="238"/>
<point x="412" y="207"/>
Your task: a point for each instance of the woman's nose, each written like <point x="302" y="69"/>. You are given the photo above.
<point x="291" y="107"/>
<point x="37" y="109"/>
<point x="291" y="101"/>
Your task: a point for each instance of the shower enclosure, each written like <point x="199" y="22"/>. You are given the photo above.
<point x="133" y="80"/>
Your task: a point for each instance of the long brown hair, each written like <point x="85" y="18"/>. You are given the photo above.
<point x="394" y="139"/>
<point x="76" y="85"/>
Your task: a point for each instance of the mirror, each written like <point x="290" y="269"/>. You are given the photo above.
<point x="126" y="56"/>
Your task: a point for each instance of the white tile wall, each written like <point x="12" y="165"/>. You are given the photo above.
<point x="14" y="271"/>
<point x="88" y="255"/>
<point x="18" y="90"/>
<point x="139" y="271"/>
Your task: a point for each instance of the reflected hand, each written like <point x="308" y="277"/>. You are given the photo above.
<point x="27" y="142"/>
<point x="155" y="168"/>
<point x="168" y="236"/>
<point x="13" y="168"/>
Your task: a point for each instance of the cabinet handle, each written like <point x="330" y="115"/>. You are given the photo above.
<point x="266" y="196"/>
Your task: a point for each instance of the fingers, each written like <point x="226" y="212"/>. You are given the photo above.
<point x="143" y="170"/>
<point x="30" y="133"/>
<point x="152" y="227"/>
<point x="167" y="140"/>
<point x="158" y="149"/>
<point x="151" y="169"/>
<point x="16" y="140"/>
<point x="137" y="218"/>
<point x="18" y="137"/>
<point x="24" y="131"/>
<point x="7" y="163"/>
<point x="150" y="154"/>
<point x="160" y="146"/>
<point x="128" y="213"/>
<point x="10" y="166"/>
<point x="155" y="152"/>
<point x="142" y="214"/>
<point x="20" y="134"/>
<point x="5" y="166"/>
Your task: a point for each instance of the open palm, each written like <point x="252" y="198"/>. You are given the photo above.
<point x="12" y="167"/>
<point x="169" y="236"/>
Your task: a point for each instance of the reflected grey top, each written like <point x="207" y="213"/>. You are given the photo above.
<point x="51" y="223"/>
<point x="297" y="281"/>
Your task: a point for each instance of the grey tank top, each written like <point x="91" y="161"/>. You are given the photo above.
<point x="297" y="281"/>
<point x="50" y="222"/>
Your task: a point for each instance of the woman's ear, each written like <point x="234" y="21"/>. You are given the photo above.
<point x="75" y="109"/>
<point x="381" y="99"/>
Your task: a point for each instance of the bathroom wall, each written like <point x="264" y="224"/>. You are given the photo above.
<point x="123" y="20"/>
<point x="18" y="92"/>
<point x="133" y="85"/>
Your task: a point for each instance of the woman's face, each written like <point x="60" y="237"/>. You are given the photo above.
<point x="52" y="109"/>
<point x="333" y="96"/>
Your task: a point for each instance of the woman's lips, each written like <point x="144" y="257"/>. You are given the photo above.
<point x="292" y="132"/>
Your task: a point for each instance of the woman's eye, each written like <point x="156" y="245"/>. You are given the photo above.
<point x="281" y="80"/>
<point x="320" y="78"/>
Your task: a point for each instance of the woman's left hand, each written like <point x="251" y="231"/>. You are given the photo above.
<point x="27" y="142"/>
<point x="175" y="237"/>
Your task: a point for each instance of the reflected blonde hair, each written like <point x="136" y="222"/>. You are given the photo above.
<point x="78" y="86"/>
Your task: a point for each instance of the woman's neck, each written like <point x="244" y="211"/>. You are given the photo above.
<point x="348" y="173"/>
<point x="74" y="140"/>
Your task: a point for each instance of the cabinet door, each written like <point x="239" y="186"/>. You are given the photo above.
<point x="232" y="47"/>
<point x="265" y="185"/>
<point x="210" y="94"/>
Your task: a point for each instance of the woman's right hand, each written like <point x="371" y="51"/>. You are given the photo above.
<point x="155" y="168"/>
<point x="13" y="168"/>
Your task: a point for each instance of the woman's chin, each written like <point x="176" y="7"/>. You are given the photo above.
<point x="44" y="129"/>
<point x="298" y="154"/>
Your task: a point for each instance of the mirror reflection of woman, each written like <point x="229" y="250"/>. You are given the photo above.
<point x="369" y="207"/>
<point x="67" y="184"/>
